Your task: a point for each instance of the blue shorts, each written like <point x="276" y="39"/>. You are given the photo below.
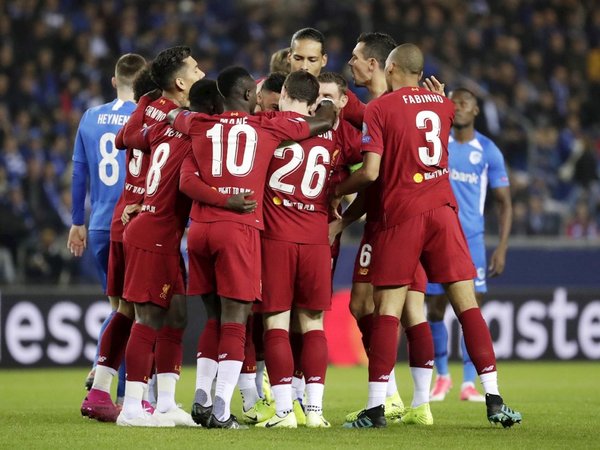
<point x="99" y="243"/>
<point x="477" y="250"/>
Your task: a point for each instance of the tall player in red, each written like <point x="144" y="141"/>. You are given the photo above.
<point x="405" y="141"/>
<point x="154" y="273"/>
<point x="296" y="259"/>
<point x="98" y="404"/>
<point x="233" y="151"/>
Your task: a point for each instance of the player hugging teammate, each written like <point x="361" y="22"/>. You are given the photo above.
<point x="258" y="190"/>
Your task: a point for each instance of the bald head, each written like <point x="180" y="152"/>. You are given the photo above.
<point x="408" y="58"/>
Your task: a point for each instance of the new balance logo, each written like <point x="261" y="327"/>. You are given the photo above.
<point x="384" y="377"/>
<point x="488" y="369"/>
<point x="314" y="379"/>
<point x="198" y="355"/>
<point x="223" y="355"/>
<point x="286" y="380"/>
<point x="101" y="359"/>
<point x="429" y="363"/>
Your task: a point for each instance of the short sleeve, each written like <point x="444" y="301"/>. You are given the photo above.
<point x="372" y="129"/>
<point x="354" y="110"/>
<point x="185" y="121"/>
<point x="496" y="169"/>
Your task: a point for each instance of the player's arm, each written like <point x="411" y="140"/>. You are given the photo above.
<point x="77" y="240"/>
<point x="134" y="124"/>
<point x="363" y="177"/>
<point x="498" y="258"/>
<point x="182" y="119"/>
<point x="352" y="213"/>
<point x="192" y="185"/>
<point x="323" y="119"/>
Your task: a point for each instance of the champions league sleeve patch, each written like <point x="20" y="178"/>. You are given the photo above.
<point x="366" y="139"/>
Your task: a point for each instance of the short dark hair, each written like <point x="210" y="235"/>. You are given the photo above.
<point x="128" y="66"/>
<point x="274" y="82"/>
<point x="143" y="84"/>
<point x="231" y="79"/>
<point x="302" y="86"/>
<point x="377" y="45"/>
<point x="166" y="64"/>
<point x="205" y="97"/>
<point x="310" y="34"/>
<point x="334" y="77"/>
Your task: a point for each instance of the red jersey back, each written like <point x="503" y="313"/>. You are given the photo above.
<point x="296" y="200"/>
<point x="233" y="151"/>
<point x="165" y="210"/>
<point x="409" y="128"/>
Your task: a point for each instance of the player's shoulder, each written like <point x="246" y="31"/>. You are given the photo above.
<point x="486" y="144"/>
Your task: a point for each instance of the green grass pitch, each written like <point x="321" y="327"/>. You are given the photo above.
<point x="560" y="403"/>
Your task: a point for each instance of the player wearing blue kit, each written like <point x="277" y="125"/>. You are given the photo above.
<point x="474" y="162"/>
<point x="96" y="158"/>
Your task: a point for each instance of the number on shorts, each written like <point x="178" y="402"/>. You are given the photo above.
<point x="109" y="153"/>
<point x="432" y="136"/>
<point x="135" y="163"/>
<point x="233" y="137"/>
<point x="159" y="159"/>
<point x="314" y="176"/>
<point x="365" y="255"/>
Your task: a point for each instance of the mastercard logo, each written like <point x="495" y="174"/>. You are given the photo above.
<point x="277" y="201"/>
<point x="418" y="177"/>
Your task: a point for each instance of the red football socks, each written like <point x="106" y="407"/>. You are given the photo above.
<point x="278" y="356"/>
<point x="478" y="340"/>
<point x="169" y="350"/>
<point x="139" y="353"/>
<point x="384" y="347"/>
<point x="114" y="341"/>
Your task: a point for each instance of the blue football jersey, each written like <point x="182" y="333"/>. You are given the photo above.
<point x="473" y="165"/>
<point x="95" y="146"/>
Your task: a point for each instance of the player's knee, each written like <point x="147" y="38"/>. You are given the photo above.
<point x="126" y="309"/>
<point x="150" y="315"/>
<point x="234" y="311"/>
<point x="436" y="308"/>
<point x="310" y="320"/>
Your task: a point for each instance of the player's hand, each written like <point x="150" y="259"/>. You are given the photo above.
<point x="335" y="228"/>
<point x="77" y="241"/>
<point x="432" y="84"/>
<point x="334" y="206"/>
<point x="129" y="211"/>
<point x="497" y="262"/>
<point x="239" y="203"/>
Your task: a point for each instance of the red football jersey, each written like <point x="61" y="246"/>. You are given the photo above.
<point x="409" y="128"/>
<point x="233" y="151"/>
<point x="296" y="200"/>
<point x="165" y="210"/>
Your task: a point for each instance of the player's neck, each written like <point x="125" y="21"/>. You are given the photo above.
<point x="229" y="105"/>
<point x="176" y="98"/>
<point x="378" y="86"/>
<point x="399" y="82"/>
<point x="125" y="94"/>
<point x="463" y="134"/>
<point x="298" y="107"/>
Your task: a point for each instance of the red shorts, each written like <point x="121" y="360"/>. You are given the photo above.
<point x="435" y="238"/>
<point x="362" y="263"/>
<point x="224" y="258"/>
<point x="115" y="276"/>
<point x="295" y="275"/>
<point x="152" y="277"/>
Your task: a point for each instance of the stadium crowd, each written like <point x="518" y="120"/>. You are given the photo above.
<point x="535" y="65"/>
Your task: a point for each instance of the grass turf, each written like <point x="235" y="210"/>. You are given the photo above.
<point x="559" y="402"/>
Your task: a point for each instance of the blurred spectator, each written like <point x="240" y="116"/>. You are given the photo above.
<point x="582" y="225"/>
<point x="535" y="65"/>
<point x="45" y="259"/>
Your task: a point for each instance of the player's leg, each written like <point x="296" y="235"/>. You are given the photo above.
<point x="312" y="296"/>
<point x="279" y="265"/>
<point x="420" y="355"/>
<point x="298" y="381"/>
<point x="280" y="364"/>
<point x="169" y="357"/>
<point x="262" y="378"/>
<point x="468" y="391"/>
<point x="207" y="359"/>
<point x="237" y="250"/>
<point x="139" y="355"/>
<point x="314" y="361"/>
<point x="99" y="242"/>
<point x="445" y="240"/>
<point x="437" y="301"/>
